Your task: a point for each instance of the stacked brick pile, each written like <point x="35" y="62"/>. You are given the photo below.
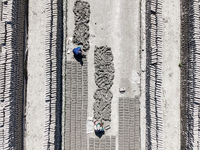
<point x="190" y="75"/>
<point x="82" y="18"/>
<point x="52" y="138"/>
<point x="104" y="75"/>
<point x="12" y="39"/>
<point x="154" y="114"/>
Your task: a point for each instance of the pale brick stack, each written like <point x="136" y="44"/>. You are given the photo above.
<point x="53" y="102"/>
<point x="12" y="39"/>
<point x="154" y="113"/>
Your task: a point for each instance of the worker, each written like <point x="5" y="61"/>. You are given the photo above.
<point x="98" y="126"/>
<point x="77" y="51"/>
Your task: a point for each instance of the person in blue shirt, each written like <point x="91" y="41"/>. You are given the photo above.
<point x="77" y="51"/>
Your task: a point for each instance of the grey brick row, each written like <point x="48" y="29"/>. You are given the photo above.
<point x="104" y="143"/>
<point x="76" y="137"/>
<point x="128" y="131"/>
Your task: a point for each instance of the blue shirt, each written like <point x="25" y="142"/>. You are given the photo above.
<point x="77" y="50"/>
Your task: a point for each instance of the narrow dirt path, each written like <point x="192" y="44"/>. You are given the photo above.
<point x="171" y="74"/>
<point x="35" y="110"/>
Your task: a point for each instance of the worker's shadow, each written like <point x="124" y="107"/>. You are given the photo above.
<point x="100" y="134"/>
<point x="79" y="58"/>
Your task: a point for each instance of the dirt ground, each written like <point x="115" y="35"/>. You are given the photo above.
<point x="119" y="31"/>
<point x="171" y="74"/>
<point x="116" y="24"/>
<point x="35" y="109"/>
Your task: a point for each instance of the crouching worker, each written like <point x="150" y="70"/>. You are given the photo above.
<point x="98" y="126"/>
<point x="78" y="52"/>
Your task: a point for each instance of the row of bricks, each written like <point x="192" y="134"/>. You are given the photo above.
<point x="74" y="85"/>
<point x="124" y="130"/>
<point x="74" y="105"/>
<point x="101" y="147"/>
<point x="79" y="106"/>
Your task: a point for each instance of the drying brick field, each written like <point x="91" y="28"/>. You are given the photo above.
<point x="140" y="74"/>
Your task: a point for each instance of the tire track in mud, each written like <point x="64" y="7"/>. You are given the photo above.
<point x="154" y="114"/>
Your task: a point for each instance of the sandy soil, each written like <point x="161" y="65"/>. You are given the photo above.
<point x="36" y="76"/>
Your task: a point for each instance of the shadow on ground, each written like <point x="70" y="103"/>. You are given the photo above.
<point x="100" y="134"/>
